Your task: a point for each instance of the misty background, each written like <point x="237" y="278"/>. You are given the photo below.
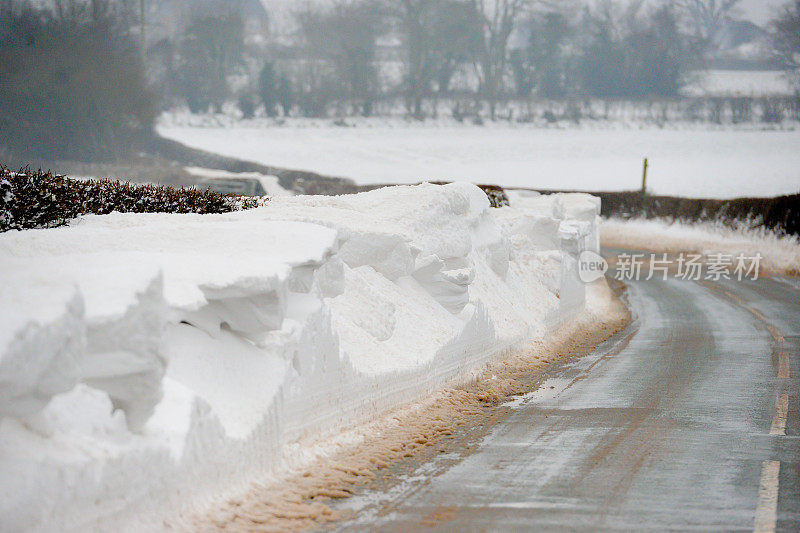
<point x="87" y="79"/>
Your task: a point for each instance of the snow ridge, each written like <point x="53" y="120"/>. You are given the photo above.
<point x="150" y="364"/>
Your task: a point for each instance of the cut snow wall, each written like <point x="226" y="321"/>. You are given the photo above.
<point x="153" y="363"/>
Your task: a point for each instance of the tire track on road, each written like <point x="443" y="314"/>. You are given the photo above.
<point x="767" y="509"/>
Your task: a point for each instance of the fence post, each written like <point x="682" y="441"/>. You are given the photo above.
<point x="143" y="36"/>
<point x="644" y="177"/>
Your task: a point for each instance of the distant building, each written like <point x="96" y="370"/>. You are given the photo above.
<point x="717" y="83"/>
<point x="742" y="67"/>
<point x="742" y="45"/>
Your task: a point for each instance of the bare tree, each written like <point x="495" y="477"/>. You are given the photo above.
<point x="438" y="36"/>
<point x="498" y="18"/>
<point x="68" y="11"/>
<point x="707" y="18"/>
<point x="71" y="87"/>
<point x="97" y="12"/>
<point x="143" y="35"/>
<point x="786" y="38"/>
<point x="211" y="50"/>
<point x="411" y="14"/>
<point x="343" y="36"/>
<point x="456" y="37"/>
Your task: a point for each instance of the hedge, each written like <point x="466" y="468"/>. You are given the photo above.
<point x="37" y="199"/>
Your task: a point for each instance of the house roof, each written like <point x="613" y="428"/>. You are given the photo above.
<point x="739" y="83"/>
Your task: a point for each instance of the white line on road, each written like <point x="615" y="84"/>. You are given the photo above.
<point x="767" y="510"/>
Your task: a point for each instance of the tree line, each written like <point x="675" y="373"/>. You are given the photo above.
<point x="346" y="56"/>
<point x="72" y="82"/>
<point x="497" y="49"/>
<point x="76" y="80"/>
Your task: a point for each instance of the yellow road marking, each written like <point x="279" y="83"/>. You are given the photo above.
<point x="783" y="361"/>
<point x="779" y="420"/>
<point x="783" y="365"/>
<point x="767" y="510"/>
<point x="775" y="333"/>
<point x="734" y="297"/>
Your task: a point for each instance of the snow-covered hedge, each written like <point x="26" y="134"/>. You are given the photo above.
<point x="496" y="194"/>
<point x="152" y="363"/>
<point x="37" y="199"/>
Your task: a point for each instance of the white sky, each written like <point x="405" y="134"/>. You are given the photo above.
<point x="761" y="11"/>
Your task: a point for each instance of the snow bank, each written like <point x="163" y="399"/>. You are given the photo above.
<point x="151" y="364"/>
<point x="780" y="253"/>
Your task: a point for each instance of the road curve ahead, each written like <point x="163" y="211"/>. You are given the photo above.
<point x="687" y="420"/>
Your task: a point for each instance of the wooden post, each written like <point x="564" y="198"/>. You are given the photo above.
<point x="644" y="177"/>
<point x="142" y="36"/>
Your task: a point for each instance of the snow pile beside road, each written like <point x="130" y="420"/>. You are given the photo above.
<point x="153" y="363"/>
<point x="780" y="253"/>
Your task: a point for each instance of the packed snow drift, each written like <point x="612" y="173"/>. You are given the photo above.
<point x="153" y="363"/>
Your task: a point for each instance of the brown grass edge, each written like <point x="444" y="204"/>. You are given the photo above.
<point x="301" y="501"/>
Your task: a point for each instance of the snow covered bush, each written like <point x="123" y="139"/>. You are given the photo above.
<point x="40" y="199"/>
<point x="496" y="194"/>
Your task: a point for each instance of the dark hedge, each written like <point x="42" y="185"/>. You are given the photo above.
<point x="496" y="194"/>
<point x="781" y="214"/>
<point x="37" y="199"/>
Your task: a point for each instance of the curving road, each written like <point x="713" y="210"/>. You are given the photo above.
<point x="689" y="419"/>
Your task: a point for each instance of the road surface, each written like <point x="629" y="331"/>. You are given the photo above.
<point x="686" y="420"/>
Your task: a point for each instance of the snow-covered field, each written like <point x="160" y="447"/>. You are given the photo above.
<point x="152" y="364"/>
<point x="690" y="162"/>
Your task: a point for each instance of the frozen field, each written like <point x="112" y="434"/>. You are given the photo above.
<point x="683" y="162"/>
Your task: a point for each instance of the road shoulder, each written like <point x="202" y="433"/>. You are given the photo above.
<point x="447" y="424"/>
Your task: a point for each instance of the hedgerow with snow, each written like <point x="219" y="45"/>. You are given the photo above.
<point x="38" y="199"/>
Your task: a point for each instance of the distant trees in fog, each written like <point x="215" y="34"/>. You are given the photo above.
<point x="72" y="85"/>
<point x="629" y="55"/>
<point x="339" y="41"/>
<point x="706" y="19"/>
<point x="545" y="61"/>
<point x="210" y="50"/>
<point x="438" y="37"/>
<point x="500" y="47"/>
<point x="347" y="56"/>
<point x="787" y="39"/>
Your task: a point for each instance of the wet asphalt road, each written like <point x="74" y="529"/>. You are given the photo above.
<point x="686" y="420"/>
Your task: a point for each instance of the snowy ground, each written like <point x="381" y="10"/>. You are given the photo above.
<point x="152" y="364"/>
<point x="690" y="162"/>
